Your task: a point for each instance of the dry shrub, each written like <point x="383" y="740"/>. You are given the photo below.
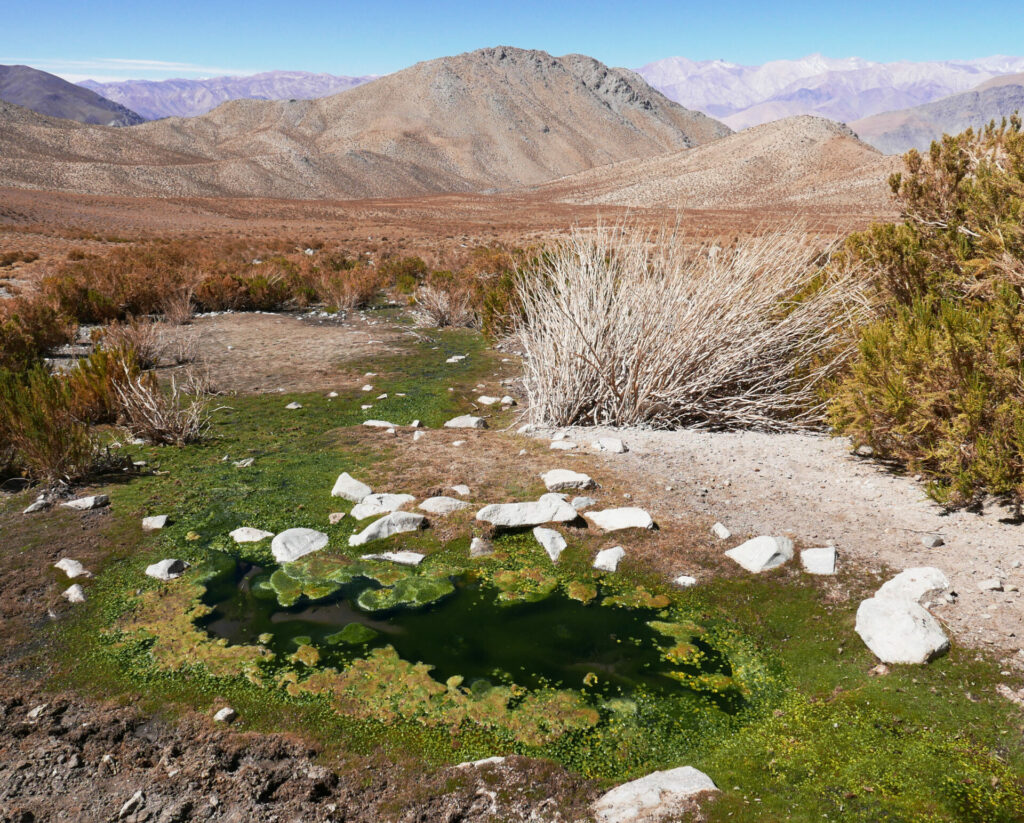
<point x="159" y="417"/>
<point x="141" y="337"/>
<point x="177" y="307"/>
<point x="28" y="329"/>
<point x="347" y="289"/>
<point x="622" y="328"/>
<point x="92" y="384"/>
<point x="447" y="300"/>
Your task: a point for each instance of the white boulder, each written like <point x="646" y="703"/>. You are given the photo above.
<point x="550" y="508"/>
<point x="899" y="630"/>
<point x="394" y="523"/>
<point x="552" y="542"/>
<point x="762" y="553"/>
<point x="610" y="444"/>
<point x="74" y="594"/>
<point x="684" y="581"/>
<point x="915" y="584"/>
<point x="154" y="522"/>
<point x="461" y="490"/>
<point x="293" y="406"/>
<point x="402" y="558"/>
<point x="629" y="517"/>
<point x="487" y="400"/>
<point x="376" y="504"/>
<point x="720" y="531"/>
<point x="94" y="501"/>
<point x="442" y="505"/>
<point x="476" y="764"/>
<point x="378" y="424"/>
<point x="819" y="561"/>
<point x="607" y="560"/>
<point x="291" y="544"/>
<point x="168" y="569"/>
<point x="247" y="534"/>
<point x="72" y="568"/>
<point x="563" y="445"/>
<point x="349" y="488"/>
<point x="655" y="797"/>
<point x="466" y="421"/>
<point x="581" y="503"/>
<point x="560" y="480"/>
<point x="225" y="715"/>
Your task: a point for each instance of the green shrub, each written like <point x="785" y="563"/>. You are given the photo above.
<point x="28" y="329"/>
<point x="404" y="273"/>
<point x="939" y="383"/>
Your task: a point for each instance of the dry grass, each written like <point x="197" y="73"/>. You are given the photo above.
<point x="452" y="304"/>
<point x="159" y="417"/>
<point x="622" y="328"/>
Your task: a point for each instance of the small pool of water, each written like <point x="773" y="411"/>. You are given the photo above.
<point x="557" y="641"/>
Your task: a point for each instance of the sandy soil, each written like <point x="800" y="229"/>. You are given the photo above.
<point x="812" y="489"/>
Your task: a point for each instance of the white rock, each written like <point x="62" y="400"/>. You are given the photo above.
<point x="508" y="400"/>
<point x="74" y="594"/>
<point x="915" y="584"/>
<point x="294" y="406"/>
<point x="478" y="547"/>
<point x="610" y="444"/>
<point x="376" y="504"/>
<point x="932" y="541"/>
<point x="461" y="490"/>
<point x="225" y="715"/>
<point x="607" y="560"/>
<point x="466" y="421"/>
<point x="41" y="503"/>
<point x="580" y="503"/>
<point x="560" y="436"/>
<point x="154" y="522"/>
<point x="366" y="406"/>
<point x="657" y="796"/>
<point x="458" y="442"/>
<point x="442" y="505"/>
<point x="403" y="558"/>
<point x="720" y="531"/>
<point x="415" y="424"/>
<point x="898" y="630"/>
<point x="95" y="501"/>
<point x="168" y="569"/>
<point x="291" y="544"/>
<point x="991" y="584"/>
<point x="476" y="764"/>
<point x="684" y="581"/>
<point x="131" y="805"/>
<point x="247" y="534"/>
<point x="549" y="509"/>
<point x="629" y="517"/>
<point x="563" y="445"/>
<point x="244" y="463"/>
<point x="367" y="387"/>
<point x="528" y="428"/>
<point x="72" y="568"/>
<point x="395" y="523"/>
<point x="378" y="424"/>
<point x="487" y="400"/>
<point x="560" y="480"/>
<point x="455" y="358"/>
<point x="551" y="541"/>
<point x="819" y="561"/>
<point x="332" y="394"/>
<point x="762" y="553"/>
<point x="382" y="396"/>
<point x="349" y="488"/>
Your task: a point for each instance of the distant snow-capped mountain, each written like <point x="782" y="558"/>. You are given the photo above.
<point x="154" y="99"/>
<point x="840" y="89"/>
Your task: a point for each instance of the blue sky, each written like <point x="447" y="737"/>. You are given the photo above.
<point x="156" y="38"/>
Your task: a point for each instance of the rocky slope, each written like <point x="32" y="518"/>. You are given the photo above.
<point x="491" y="119"/>
<point x="801" y="161"/>
<point x="895" y="132"/>
<point x="50" y="95"/>
<point x="182" y="97"/>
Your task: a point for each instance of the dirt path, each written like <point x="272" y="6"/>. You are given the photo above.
<point x="812" y="489"/>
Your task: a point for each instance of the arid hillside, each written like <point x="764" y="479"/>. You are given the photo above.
<point x="53" y="96"/>
<point x="491" y="119"/>
<point x="800" y="161"/>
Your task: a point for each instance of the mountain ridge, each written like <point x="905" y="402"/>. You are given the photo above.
<point x="53" y="96"/>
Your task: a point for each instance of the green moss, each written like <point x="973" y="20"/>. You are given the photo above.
<point x="411" y="592"/>
<point x="353" y="634"/>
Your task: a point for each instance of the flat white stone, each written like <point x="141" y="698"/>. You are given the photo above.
<point x="527" y="428"/>
<point x="376" y="504"/>
<point x="762" y="553"/>
<point x="487" y="400"/>
<point x="294" y="406"/>
<point x="291" y="544"/>
<point x="332" y="394"/>
<point x="610" y="444"/>
<point x="466" y="421"/>
<point x="476" y="764"/>
<point x="551" y="541"/>
<point x="168" y="569"/>
<point x="508" y="400"/>
<point x="461" y="490"/>
<point x="247" y="534"/>
<point x="74" y="594"/>
<point x="581" y="503"/>
<point x="629" y="517"/>
<point x="382" y="396"/>
<point x="607" y="560"/>
<point x="915" y="584"/>
<point x="443" y="505"/>
<point x="458" y="442"/>
<point x="720" y="531"/>
<point x="899" y="630"/>
<point x="154" y="522"/>
<point x="652" y="798"/>
<point x="244" y="463"/>
<point x="394" y="523"/>
<point x="378" y="424"/>
<point x="991" y="584"/>
<point x="819" y="561"/>
<point x="367" y="387"/>
<point x="72" y="568"/>
<point x="94" y="501"/>
<point x="225" y="715"/>
<point x="563" y="445"/>
<point x="549" y="509"/>
<point x="403" y="558"/>
<point x="684" y="581"/>
<point x="349" y="488"/>
<point x="39" y="505"/>
<point x="455" y="358"/>
<point x="560" y="480"/>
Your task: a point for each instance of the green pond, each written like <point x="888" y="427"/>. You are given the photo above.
<point x="469" y="631"/>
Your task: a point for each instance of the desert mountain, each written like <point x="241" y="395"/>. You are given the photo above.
<point x="154" y="99"/>
<point x="494" y="118"/>
<point x="800" y="161"/>
<point x="50" y="95"/>
<point x="895" y="132"/>
<point x="846" y="89"/>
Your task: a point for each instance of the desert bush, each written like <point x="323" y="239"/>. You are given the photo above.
<point x="28" y="329"/>
<point x="177" y="306"/>
<point x="141" y="337"/>
<point x="447" y="300"/>
<point x="9" y="258"/>
<point x="619" y="330"/>
<point x="403" y="273"/>
<point x="40" y="436"/>
<point x="159" y="417"/>
<point x="351" y="288"/>
<point x="92" y="384"/>
<point x="939" y="380"/>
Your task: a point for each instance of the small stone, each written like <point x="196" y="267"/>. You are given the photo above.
<point x="528" y="428"/>
<point x="563" y="445"/>
<point x="417" y="436"/>
<point x="629" y="517"/>
<point x="291" y="544"/>
<point x="244" y="463"/>
<point x="991" y="584"/>
<point x="378" y="424"/>
<point x="458" y="442"/>
<point x="382" y="396"/>
<point x="41" y="503"/>
<point x="72" y="568"/>
<point x="466" y="421"/>
<point x="881" y="670"/>
<point x="456" y="358"/>
<point x="95" y="501"/>
<point x="367" y="387"/>
<point x="560" y="480"/>
<point x="461" y="490"/>
<point x="132" y="804"/>
<point x="819" y="561"/>
<point x="581" y="503"/>
<point x="932" y="541"/>
<point x="395" y="523"/>
<point x="168" y="569"/>
<point x="684" y="581"/>
<point x="654" y="797"/>
<point x="899" y="630"/>
<point x="293" y="406"/>
<point x="865" y="451"/>
<point x="508" y="400"/>
<point x="74" y="594"/>
<point x="402" y="558"/>
<point x="374" y="505"/>
<point x="487" y="400"/>
<point x="607" y="560"/>
<point x="349" y="488"/>
<point x="332" y="394"/>
<point x="915" y="584"/>
<point x="721" y="532"/>
<point x="551" y="541"/>
<point x="154" y="522"/>
<point x="610" y="444"/>
<point x="247" y="534"/>
<point x="442" y="505"/>
<point x="415" y="424"/>
<point x="225" y="715"/>
<point x="762" y="553"/>
<point x="366" y="406"/>
<point x="478" y="547"/>
<point x="476" y="764"/>
<point x="334" y="518"/>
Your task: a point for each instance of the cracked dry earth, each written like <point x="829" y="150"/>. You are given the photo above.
<point x="812" y="489"/>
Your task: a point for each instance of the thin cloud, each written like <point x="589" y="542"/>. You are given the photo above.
<point x="116" y="68"/>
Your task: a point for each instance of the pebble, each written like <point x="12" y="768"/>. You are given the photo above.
<point x="225" y="715"/>
<point x="74" y="594"/>
<point x="721" y="532"/>
<point x="294" y="406"/>
<point x="154" y="522"/>
<point x="932" y="541"/>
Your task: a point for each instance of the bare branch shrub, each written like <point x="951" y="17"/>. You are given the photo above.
<point x="159" y="417"/>
<point x="448" y="304"/>
<point x="349" y="288"/>
<point x="622" y="328"/>
<point x="177" y="306"/>
<point x="141" y="337"/>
